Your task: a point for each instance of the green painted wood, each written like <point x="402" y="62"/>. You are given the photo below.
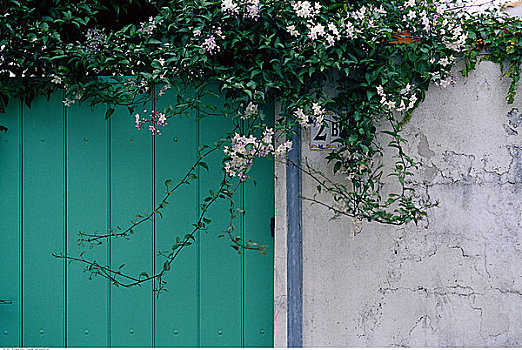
<point x="131" y="194"/>
<point x="177" y="310"/>
<point x="43" y="223"/>
<point x="10" y="214"/>
<point x="87" y="211"/>
<point x="258" y="269"/>
<point x="79" y="173"/>
<point x="221" y="266"/>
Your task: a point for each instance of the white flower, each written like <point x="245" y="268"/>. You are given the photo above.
<point x="250" y="110"/>
<point x="304" y="9"/>
<point x="317" y="108"/>
<point x="349" y="30"/>
<point x="210" y="45"/>
<point x="244" y="150"/>
<point x="444" y="61"/>
<point x="390" y="104"/>
<point x="301" y="117"/>
<point x="283" y="148"/>
<point x="56" y="80"/>
<point x="229" y="7"/>
<point x="425" y="20"/>
<point x="333" y="28"/>
<point x="293" y="32"/>
<point x="402" y="106"/>
<point x="413" y="99"/>
<point x="319" y="120"/>
<point x="67" y="102"/>
<point x="330" y="39"/>
<point x="316" y="31"/>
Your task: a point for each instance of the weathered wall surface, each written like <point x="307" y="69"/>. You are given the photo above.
<point x="456" y="278"/>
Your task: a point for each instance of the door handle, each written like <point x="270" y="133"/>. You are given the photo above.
<point x="5" y="301"/>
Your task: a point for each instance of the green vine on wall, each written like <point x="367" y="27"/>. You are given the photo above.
<point x="379" y="56"/>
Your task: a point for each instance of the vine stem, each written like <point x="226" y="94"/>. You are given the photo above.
<point x="184" y="180"/>
<point x="116" y="276"/>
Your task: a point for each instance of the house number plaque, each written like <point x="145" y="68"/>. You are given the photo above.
<point x="322" y="137"/>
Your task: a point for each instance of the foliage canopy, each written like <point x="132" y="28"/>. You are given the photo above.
<point x="381" y="57"/>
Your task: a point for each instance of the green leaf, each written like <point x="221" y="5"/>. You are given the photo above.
<point x="108" y="113"/>
<point x="337" y="167"/>
<point x="203" y="165"/>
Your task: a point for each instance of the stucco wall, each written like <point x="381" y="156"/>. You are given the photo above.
<point x="453" y="280"/>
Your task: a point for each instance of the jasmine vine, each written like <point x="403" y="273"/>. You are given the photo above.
<point x="353" y="63"/>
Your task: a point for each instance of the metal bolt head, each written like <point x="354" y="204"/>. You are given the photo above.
<point x="42" y="331"/>
<point x="220" y="332"/>
<point x="6" y="332"/>
<point x="262" y="331"/>
<point x="86" y="331"/>
<point x="131" y="331"/>
<point x="175" y="332"/>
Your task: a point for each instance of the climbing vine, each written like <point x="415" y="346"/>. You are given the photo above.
<point x="354" y="63"/>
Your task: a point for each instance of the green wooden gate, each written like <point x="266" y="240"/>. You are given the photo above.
<point x="63" y="170"/>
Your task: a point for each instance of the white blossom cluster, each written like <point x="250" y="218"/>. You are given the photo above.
<point x="245" y="149"/>
<point x="305" y="9"/>
<point x="95" y="39"/>
<point x="442" y="21"/>
<point x="56" y="79"/>
<point x="315" y="30"/>
<point x="444" y="77"/>
<point x="332" y="30"/>
<point x="73" y="99"/>
<point x="156" y="119"/>
<point x="407" y="98"/>
<point x="250" y="111"/>
<point x="147" y="28"/>
<point x="363" y="19"/>
<point x="210" y="44"/>
<point x="450" y="79"/>
<point x="457" y="40"/>
<point x="306" y="120"/>
<point x="249" y="8"/>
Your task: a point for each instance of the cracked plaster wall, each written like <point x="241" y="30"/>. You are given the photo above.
<point x="455" y="279"/>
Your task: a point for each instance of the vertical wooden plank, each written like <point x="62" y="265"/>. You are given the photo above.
<point x="44" y="223"/>
<point x="131" y="194"/>
<point x="175" y="153"/>
<point x="10" y="206"/>
<point x="87" y="212"/>
<point x="258" y="269"/>
<point x="221" y="266"/>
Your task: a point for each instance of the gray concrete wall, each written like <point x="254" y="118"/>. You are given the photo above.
<point x="455" y="279"/>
